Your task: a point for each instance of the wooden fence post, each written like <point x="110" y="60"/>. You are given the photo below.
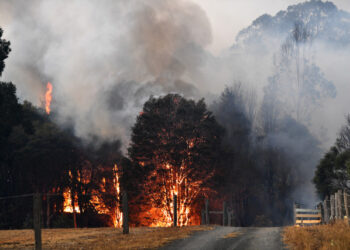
<point x="294" y="213"/>
<point x="340" y="205"/>
<point x="224" y="217"/>
<point x="325" y="210"/>
<point x="332" y="206"/>
<point x="125" y="213"/>
<point x="203" y="217"/>
<point x="336" y="204"/>
<point x="346" y="205"/>
<point x="207" y="212"/>
<point x="175" y="209"/>
<point x="229" y="218"/>
<point x="37" y="220"/>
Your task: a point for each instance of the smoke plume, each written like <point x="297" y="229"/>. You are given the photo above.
<point x="104" y="58"/>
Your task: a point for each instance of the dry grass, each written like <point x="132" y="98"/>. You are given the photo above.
<point x="232" y="235"/>
<point x="96" y="238"/>
<point x="333" y="236"/>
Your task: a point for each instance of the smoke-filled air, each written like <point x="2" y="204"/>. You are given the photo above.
<point x="137" y="92"/>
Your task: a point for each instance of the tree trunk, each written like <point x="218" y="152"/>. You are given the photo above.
<point x="74" y="212"/>
<point x="125" y="213"/>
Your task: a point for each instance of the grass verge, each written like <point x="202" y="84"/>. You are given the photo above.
<point x="332" y="236"/>
<point x="96" y="238"/>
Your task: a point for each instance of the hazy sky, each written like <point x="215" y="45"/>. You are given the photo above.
<point x="228" y="17"/>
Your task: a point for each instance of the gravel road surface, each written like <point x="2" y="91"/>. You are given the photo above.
<point x="258" y="238"/>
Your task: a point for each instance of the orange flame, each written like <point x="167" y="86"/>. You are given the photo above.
<point x="114" y="212"/>
<point x="67" y="205"/>
<point x="48" y="97"/>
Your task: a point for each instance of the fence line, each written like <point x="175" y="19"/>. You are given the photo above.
<point x="16" y="196"/>
<point x="335" y="206"/>
<point x="37" y="207"/>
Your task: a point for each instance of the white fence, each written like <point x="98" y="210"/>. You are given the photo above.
<point x="307" y="217"/>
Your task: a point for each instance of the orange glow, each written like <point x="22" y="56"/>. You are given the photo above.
<point x="174" y="183"/>
<point x="117" y="215"/>
<point x="48" y="97"/>
<point x="96" y="200"/>
<point x="67" y="204"/>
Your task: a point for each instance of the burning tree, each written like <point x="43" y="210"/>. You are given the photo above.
<point x="93" y="186"/>
<point x="175" y="142"/>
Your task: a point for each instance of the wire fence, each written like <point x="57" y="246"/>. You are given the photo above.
<point x="16" y="211"/>
<point x="29" y="211"/>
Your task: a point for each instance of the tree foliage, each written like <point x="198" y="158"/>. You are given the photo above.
<point x="176" y="143"/>
<point x="4" y="51"/>
<point x="333" y="171"/>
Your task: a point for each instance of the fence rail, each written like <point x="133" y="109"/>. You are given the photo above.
<point x="308" y="217"/>
<point x="334" y="207"/>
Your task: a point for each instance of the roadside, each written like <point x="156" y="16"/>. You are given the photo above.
<point x="97" y="238"/>
<point x="331" y="236"/>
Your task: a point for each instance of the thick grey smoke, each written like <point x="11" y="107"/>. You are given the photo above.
<point x="257" y="50"/>
<point x="104" y="58"/>
<point x="322" y="85"/>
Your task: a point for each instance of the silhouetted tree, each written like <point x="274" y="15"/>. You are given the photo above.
<point x="333" y="171"/>
<point x="4" y="51"/>
<point x="176" y="143"/>
<point x="298" y="86"/>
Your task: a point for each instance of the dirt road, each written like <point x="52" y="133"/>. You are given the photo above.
<point x="268" y="238"/>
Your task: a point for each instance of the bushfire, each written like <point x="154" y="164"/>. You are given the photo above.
<point x="70" y="204"/>
<point x="48" y="98"/>
<point x="170" y="181"/>
<point x="174" y="158"/>
<point x="160" y="215"/>
<point x="175" y="181"/>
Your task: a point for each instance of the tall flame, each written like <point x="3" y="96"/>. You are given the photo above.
<point x="48" y="97"/>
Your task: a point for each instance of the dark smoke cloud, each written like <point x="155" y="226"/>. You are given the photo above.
<point x="104" y="58"/>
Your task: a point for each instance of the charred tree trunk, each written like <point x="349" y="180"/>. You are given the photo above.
<point x="207" y="212"/>
<point x="125" y="213"/>
<point x="175" y="210"/>
<point x="74" y="212"/>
